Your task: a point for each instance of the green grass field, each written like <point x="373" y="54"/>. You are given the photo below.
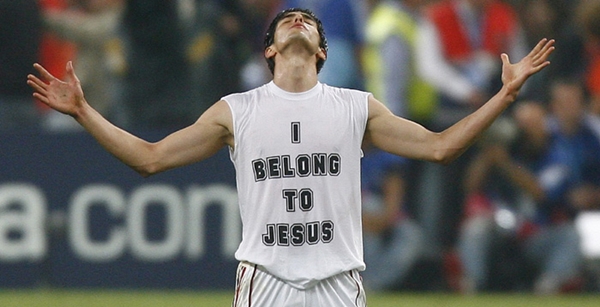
<point x="64" y="298"/>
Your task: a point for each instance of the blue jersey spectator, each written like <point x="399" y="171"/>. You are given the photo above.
<point x="570" y="169"/>
<point x="392" y="239"/>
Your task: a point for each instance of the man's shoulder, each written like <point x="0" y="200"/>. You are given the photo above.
<point x="253" y="90"/>
<point x="245" y="95"/>
<point x="337" y="89"/>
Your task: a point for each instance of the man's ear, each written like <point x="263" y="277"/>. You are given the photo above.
<point x="322" y="54"/>
<point x="270" y="52"/>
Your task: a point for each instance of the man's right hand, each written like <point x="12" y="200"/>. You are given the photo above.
<point x="64" y="96"/>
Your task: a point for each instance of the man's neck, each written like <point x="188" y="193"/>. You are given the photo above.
<point x="295" y="74"/>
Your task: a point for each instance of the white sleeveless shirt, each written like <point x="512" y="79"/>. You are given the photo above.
<point x="297" y="161"/>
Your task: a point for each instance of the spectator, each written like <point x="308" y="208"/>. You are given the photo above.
<point x="457" y="46"/>
<point x="457" y="49"/>
<point x="215" y="50"/>
<point x="570" y="178"/>
<point x="589" y="17"/>
<point x="500" y="189"/>
<point x="54" y="50"/>
<point x="392" y="239"/>
<point x="393" y="245"/>
<point x="542" y="18"/>
<point x="559" y="169"/>
<point x="343" y="21"/>
<point x="157" y="79"/>
<point x="390" y="49"/>
<point x="20" y="35"/>
<point x="91" y="25"/>
<point x="578" y="50"/>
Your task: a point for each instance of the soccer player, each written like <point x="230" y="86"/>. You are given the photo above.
<point x="296" y="147"/>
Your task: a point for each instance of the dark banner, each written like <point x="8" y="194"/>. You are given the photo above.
<point x="72" y="215"/>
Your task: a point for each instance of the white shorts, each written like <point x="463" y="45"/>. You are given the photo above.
<point x="257" y="288"/>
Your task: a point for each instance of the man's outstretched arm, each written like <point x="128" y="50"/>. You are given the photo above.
<point x="406" y="138"/>
<point x="194" y="143"/>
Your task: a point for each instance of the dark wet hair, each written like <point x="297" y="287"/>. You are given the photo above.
<point x="270" y="35"/>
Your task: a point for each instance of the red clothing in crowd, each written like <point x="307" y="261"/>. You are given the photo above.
<point x="499" y="25"/>
<point x="54" y="51"/>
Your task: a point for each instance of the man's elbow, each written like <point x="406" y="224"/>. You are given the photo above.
<point x="144" y="174"/>
<point x="146" y="170"/>
<point x="444" y="160"/>
<point x="445" y="156"/>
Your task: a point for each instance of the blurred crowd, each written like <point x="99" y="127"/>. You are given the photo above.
<point x="502" y="217"/>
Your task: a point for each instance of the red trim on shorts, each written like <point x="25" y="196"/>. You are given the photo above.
<point x="240" y="276"/>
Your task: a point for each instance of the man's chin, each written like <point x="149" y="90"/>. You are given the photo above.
<point x="300" y="39"/>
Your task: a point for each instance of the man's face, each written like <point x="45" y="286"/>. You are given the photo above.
<point x="297" y="27"/>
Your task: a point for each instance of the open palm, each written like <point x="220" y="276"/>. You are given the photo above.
<point x="515" y="75"/>
<point x="64" y="96"/>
